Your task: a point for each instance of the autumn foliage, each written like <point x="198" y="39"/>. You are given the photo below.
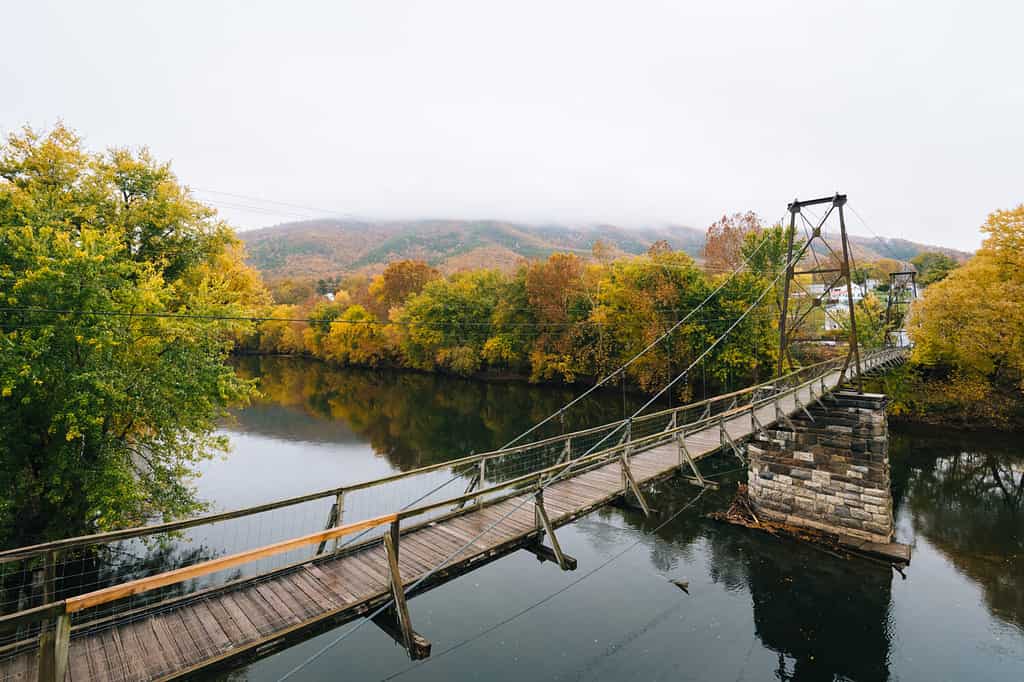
<point x="973" y="320"/>
<point x="558" y="319"/>
<point x="723" y="248"/>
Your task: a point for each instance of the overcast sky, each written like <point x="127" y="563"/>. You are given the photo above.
<point x="627" y="112"/>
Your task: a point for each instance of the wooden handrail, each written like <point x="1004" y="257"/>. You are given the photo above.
<point x="109" y="594"/>
<point x="31" y="551"/>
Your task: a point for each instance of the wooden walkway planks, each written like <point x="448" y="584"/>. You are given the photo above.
<point x="193" y="635"/>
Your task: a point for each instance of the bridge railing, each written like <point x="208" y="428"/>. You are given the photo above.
<point x="353" y="515"/>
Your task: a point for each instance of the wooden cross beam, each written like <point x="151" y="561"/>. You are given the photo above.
<point x="631" y="485"/>
<point x="800" y="404"/>
<point x="726" y="440"/>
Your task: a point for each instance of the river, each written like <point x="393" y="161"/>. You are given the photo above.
<point x="758" y="608"/>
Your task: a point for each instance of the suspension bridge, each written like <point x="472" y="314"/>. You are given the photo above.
<point x="166" y="625"/>
<point x="92" y="607"/>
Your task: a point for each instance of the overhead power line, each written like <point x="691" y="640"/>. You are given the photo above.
<point x="326" y="211"/>
<point x="309" y="320"/>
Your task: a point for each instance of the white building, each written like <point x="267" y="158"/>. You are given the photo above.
<point x="836" y="313"/>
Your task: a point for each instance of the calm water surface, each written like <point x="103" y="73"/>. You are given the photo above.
<point x="757" y="608"/>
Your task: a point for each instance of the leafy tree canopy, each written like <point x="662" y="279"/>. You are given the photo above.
<point x="973" y="320"/>
<point x="933" y="267"/>
<point x="104" y="417"/>
<point x="725" y="239"/>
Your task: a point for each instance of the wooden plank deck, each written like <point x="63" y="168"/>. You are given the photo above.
<point x="257" y="616"/>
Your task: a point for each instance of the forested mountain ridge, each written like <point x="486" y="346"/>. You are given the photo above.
<point x="328" y="247"/>
<point x="316" y="248"/>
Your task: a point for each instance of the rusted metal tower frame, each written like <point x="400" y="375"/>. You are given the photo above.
<point x="837" y="201"/>
<point x="897" y="303"/>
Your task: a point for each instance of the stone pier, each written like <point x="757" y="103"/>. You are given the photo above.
<point x="827" y="470"/>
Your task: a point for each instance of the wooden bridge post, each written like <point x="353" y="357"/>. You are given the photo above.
<point x="481" y="473"/>
<point x="780" y="416"/>
<point x="800" y="404"/>
<point x="624" y="456"/>
<point x="544" y="525"/>
<point x="339" y="515"/>
<point x="817" y="399"/>
<point x="755" y="424"/>
<point x="685" y="458"/>
<point x="725" y="439"/>
<point x="415" y="645"/>
<point x="334" y="518"/>
<point x="54" y="643"/>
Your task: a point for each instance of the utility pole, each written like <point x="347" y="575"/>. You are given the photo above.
<point x="902" y="292"/>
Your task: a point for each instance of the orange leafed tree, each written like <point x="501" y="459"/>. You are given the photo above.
<point x="552" y="284"/>
<point x="400" y="280"/>
<point x="724" y="242"/>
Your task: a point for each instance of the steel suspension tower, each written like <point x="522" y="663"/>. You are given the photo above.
<point x="834" y="272"/>
<point x="902" y="292"/>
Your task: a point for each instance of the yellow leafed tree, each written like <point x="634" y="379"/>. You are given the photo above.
<point x="973" y="321"/>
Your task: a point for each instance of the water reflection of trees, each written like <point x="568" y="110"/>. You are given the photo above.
<point x="966" y="496"/>
<point x="412" y="419"/>
<point x="826" y="618"/>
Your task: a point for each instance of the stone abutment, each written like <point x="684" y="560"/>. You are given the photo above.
<point x="827" y="469"/>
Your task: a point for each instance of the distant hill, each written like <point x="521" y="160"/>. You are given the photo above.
<point x="319" y="248"/>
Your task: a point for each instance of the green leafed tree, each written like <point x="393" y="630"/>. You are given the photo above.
<point x="447" y="325"/>
<point x="933" y="267"/>
<point x="104" y="417"/>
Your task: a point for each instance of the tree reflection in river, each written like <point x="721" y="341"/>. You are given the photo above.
<point x="412" y="419"/>
<point x="826" y="618"/>
<point x="965" y="494"/>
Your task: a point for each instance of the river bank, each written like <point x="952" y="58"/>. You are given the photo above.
<point x="919" y="396"/>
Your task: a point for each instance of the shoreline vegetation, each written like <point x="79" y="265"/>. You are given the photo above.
<point x="564" y="319"/>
